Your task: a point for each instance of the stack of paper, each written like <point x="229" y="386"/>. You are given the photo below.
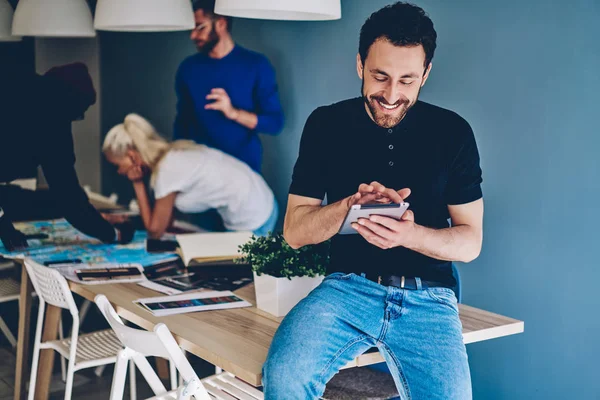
<point x="209" y="247"/>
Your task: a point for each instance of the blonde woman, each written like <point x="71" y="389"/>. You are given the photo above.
<point x="190" y="177"/>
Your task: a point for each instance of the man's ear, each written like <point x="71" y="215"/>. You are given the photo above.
<point x="426" y="74"/>
<point x="221" y="25"/>
<point x="359" y="66"/>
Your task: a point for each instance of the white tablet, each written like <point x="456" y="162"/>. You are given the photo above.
<point x="357" y="211"/>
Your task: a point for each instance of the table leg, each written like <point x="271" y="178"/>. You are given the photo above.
<point x="162" y="367"/>
<point x="42" y="387"/>
<point x="22" y="369"/>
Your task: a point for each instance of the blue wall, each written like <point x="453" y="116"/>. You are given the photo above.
<point x="526" y="76"/>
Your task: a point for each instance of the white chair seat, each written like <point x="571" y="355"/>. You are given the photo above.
<point x="101" y="347"/>
<point x="226" y="386"/>
<point x="9" y="290"/>
<point x="223" y="386"/>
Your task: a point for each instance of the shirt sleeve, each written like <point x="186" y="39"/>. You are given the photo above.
<point x="58" y="164"/>
<point x="171" y="176"/>
<point x="308" y="178"/>
<point x="464" y="178"/>
<point x="266" y="96"/>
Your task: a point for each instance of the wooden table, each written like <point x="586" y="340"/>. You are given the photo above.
<point x="236" y="340"/>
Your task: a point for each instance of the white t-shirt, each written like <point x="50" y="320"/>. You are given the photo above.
<point x="206" y="178"/>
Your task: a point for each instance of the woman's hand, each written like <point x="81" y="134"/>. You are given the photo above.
<point x="136" y="173"/>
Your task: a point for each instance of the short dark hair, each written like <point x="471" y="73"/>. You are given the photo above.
<point x="403" y="24"/>
<point x="208" y="6"/>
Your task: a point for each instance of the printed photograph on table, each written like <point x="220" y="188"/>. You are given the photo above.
<point x="191" y="302"/>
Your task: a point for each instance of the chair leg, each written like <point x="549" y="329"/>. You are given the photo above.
<point x="149" y="375"/>
<point x="132" y="383"/>
<point x="119" y="376"/>
<point x="36" y="351"/>
<point x="173" y="375"/>
<point x="69" y="385"/>
<point x="4" y="328"/>
<point x="85" y="307"/>
<point x="63" y="363"/>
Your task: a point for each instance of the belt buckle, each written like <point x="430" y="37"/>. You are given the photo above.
<point x="402" y="281"/>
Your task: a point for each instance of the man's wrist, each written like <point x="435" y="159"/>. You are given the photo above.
<point x="234" y="114"/>
<point x="414" y="240"/>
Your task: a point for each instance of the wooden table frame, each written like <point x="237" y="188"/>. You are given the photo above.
<point x="235" y="340"/>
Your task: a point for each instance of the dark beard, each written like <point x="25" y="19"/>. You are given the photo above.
<point x="213" y="40"/>
<point x="386" y="121"/>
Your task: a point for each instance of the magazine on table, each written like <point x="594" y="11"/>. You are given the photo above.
<point x="174" y="278"/>
<point x="191" y="302"/>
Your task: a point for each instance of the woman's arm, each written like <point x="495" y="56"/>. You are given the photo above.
<point x="158" y="220"/>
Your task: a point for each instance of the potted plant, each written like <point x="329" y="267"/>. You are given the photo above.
<point x="282" y="275"/>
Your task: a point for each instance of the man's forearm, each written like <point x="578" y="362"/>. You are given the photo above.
<point x="313" y="224"/>
<point x="458" y="243"/>
<point x="245" y="118"/>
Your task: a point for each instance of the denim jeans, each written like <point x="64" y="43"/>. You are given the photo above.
<point x="418" y="332"/>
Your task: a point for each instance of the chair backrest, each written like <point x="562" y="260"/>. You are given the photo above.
<point x="158" y="343"/>
<point x="144" y="342"/>
<point x="50" y="286"/>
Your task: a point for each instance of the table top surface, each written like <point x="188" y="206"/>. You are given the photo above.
<point x="238" y="340"/>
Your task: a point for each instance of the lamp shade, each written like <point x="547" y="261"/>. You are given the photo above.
<point x="6" y="16"/>
<point x="53" y="18"/>
<point x="144" y="15"/>
<point x="291" y="10"/>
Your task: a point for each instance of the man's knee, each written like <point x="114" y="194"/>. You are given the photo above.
<point x="288" y="376"/>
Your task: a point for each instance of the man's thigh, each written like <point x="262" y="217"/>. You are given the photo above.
<point x="317" y="338"/>
<point x="426" y="347"/>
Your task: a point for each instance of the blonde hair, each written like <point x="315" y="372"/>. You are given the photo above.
<point x="136" y="133"/>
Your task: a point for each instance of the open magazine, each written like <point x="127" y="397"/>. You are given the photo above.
<point x="191" y="302"/>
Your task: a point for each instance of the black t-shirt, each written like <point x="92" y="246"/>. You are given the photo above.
<point x="432" y="151"/>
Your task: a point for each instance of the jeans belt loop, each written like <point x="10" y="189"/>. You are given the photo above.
<point x="402" y="282"/>
<point x="419" y="284"/>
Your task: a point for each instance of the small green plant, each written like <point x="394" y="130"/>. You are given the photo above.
<point x="272" y="255"/>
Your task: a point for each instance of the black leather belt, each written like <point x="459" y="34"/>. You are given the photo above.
<point x="403" y="282"/>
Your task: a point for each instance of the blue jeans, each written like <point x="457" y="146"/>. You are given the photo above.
<point x="418" y="332"/>
<point x="269" y="226"/>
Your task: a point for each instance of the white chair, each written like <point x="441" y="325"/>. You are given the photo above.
<point x="10" y="290"/>
<point x="82" y="351"/>
<point x="140" y="344"/>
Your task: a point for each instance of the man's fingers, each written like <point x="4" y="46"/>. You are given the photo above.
<point x="404" y="193"/>
<point x="377" y="229"/>
<point x="408" y="216"/>
<point x="367" y="198"/>
<point x="364" y="188"/>
<point x="392" y="195"/>
<point x="214" y="96"/>
<point x="370" y="236"/>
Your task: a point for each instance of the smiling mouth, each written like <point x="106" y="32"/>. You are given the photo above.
<point x="389" y="107"/>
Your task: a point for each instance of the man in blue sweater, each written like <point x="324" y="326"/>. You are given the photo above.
<point x="226" y="93"/>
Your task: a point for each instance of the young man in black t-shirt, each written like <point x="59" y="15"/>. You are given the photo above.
<point x="390" y="285"/>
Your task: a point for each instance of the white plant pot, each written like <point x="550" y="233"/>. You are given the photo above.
<point x="278" y="296"/>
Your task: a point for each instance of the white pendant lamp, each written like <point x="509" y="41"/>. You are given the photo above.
<point x="144" y="15"/>
<point x="290" y="10"/>
<point x="6" y="16"/>
<point x="53" y="18"/>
